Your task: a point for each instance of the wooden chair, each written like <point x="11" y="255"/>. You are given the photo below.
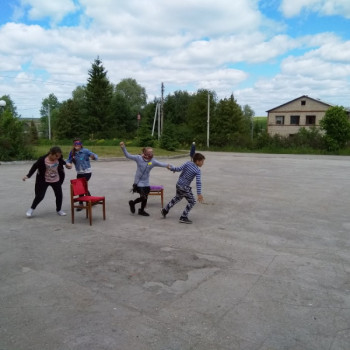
<point x="157" y="191"/>
<point x="81" y="199"/>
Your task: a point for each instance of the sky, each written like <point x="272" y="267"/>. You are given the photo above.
<point x="264" y="52"/>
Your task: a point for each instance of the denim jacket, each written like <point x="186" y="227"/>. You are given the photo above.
<point x="81" y="160"/>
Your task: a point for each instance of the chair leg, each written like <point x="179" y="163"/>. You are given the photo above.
<point x="104" y="210"/>
<point x="72" y="212"/>
<point x="161" y="197"/>
<point x="90" y="213"/>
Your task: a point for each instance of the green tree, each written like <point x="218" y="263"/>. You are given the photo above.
<point x="49" y="107"/>
<point x="337" y="127"/>
<point x="13" y="141"/>
<point x="168" y="139"/>
<point x="176" y="107"/>
<point x="98" y="99"/>
<point x="123" y="123"/>
<point x="197" y="115"/>
<point x="229" y="125"/>
<point x="144" y="134"/>
<point x="68" y="124"/>
<point x="134" y="94"/>
<point x="33" y="133"/>
<point x="80" y="112"/>
<point x="10" y="106"/>
<point x="249" y="114"/>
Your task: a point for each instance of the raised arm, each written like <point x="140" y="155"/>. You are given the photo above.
<point x="126" y="153"/>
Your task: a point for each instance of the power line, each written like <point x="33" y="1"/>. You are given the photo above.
<point x="53" y="82"/>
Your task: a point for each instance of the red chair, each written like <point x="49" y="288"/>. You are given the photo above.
<point x="79" y="192"/>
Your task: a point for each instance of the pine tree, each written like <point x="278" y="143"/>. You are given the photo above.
<point x="33" y="133"/>
<point x="229" y="125"/>
<point x="98" y="99"/>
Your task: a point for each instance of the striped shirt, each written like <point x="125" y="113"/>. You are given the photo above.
<point x="189" y="171"/>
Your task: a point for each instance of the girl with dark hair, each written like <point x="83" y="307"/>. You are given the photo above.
<point x="50" y="172"/>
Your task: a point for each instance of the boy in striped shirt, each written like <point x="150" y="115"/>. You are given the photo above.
<point x="189" y="171"/>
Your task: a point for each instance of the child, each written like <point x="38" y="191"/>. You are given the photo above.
<point x="193" y="150"/>
<point x="50" y="172"/>
<point x="145" y="163"/>
<point x="81" y="156"/>
<point x="190" y="170"/>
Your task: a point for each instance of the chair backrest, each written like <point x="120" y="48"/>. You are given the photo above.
<point x="79" y="186"/>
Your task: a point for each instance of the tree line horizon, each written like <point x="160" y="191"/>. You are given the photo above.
<point x="102" y="110"/>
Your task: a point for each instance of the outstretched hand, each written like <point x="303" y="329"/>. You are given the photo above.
<point x="122" y="144"/>
<point x="200" y="198"/>
<point x="25" y="178"/>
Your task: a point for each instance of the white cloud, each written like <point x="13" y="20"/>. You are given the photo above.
<point x="320" y="73"/>
<point x="163" y="18"/>
<point x="188" y="44"/>
<point x="56" y="10"/>
<point x="315" y="67"/>
<point x="323" y="7"/>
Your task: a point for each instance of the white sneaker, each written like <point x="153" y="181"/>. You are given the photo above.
<point x="29" y="212"/>
<point x="61" y="213"/>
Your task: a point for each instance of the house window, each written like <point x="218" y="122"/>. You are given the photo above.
<point x="303" y="102"/>
<point x="310" y="120"/>
<point x="279" y="119"/>
<point x="294" y="119"/>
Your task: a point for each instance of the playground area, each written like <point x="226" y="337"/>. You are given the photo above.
<point x="264" y="266"/>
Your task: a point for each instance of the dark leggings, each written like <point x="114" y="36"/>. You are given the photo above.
<point x="143" y="191"/>
<point x="40" y="191"/>
<point x="87" y="177"/>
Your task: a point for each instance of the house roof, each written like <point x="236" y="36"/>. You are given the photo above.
<point x="298" y="98"/>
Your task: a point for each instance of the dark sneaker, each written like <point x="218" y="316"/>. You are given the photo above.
<point x="132" y="206"/>
<point x="185" y="220"/>
<point x="143" y="213"/>
<point x="79" y="209"/>
<point x="164" y="212"/>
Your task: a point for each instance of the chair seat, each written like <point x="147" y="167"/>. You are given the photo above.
<point x="88" y="199"/>
<point x="157" y="188"/>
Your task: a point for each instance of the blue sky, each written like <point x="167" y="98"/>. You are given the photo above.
<point x="264" y="52"/>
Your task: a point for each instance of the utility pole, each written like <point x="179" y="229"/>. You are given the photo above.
<point x="252" y="127"/>
<point x="208" y="119"/>
<point x="162" y="108"/>
<point x="156" y="115"/>
<point x="49" y="118"/>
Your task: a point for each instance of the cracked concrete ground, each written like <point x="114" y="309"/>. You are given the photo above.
<point x="264" y="266"/>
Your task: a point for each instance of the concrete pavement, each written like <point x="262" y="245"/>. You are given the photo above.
<point x="265" y="264"/>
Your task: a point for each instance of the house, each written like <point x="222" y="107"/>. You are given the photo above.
<point x="288" y="118"/>
<point x="27" y="124"/>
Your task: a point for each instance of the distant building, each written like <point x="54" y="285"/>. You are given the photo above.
<point x="288" y="118"/>
<point x="27" y="122"/>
